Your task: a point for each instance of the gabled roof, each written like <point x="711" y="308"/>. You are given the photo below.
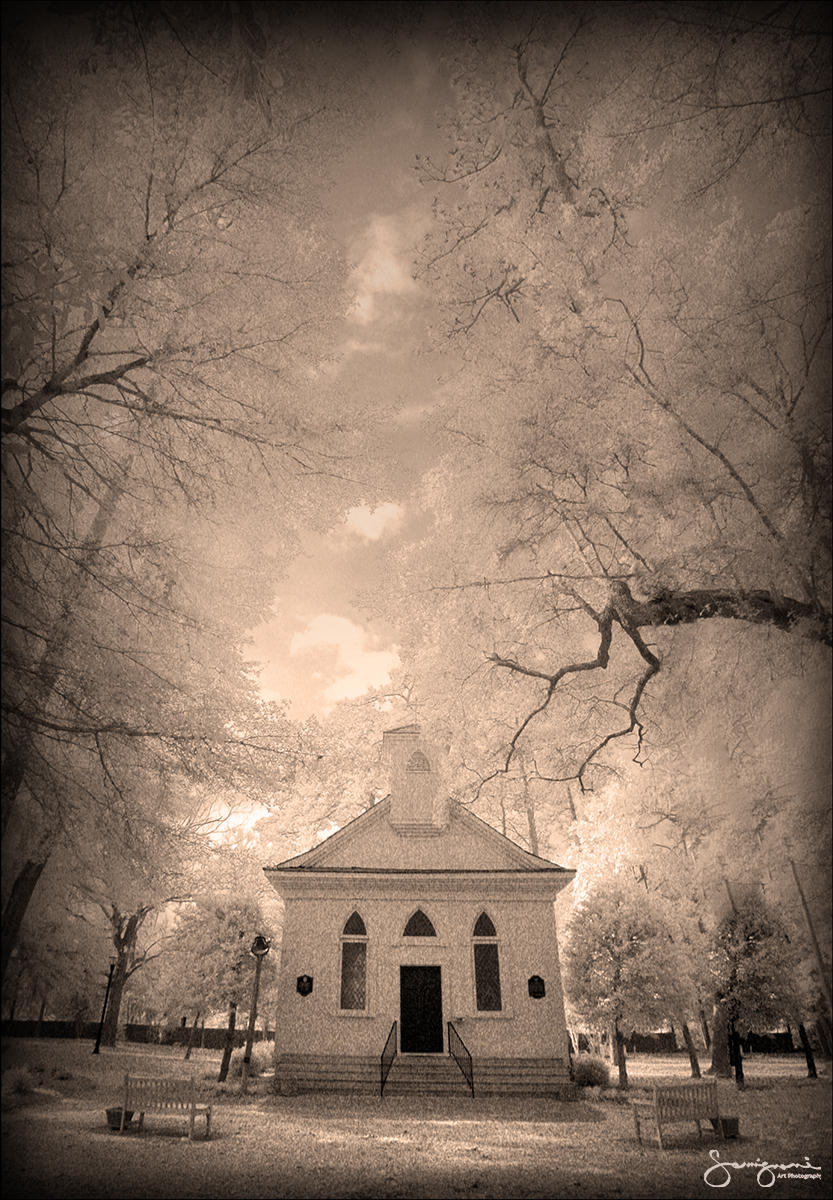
<point x="369" y="844"/>
<point x="311" y="858"/>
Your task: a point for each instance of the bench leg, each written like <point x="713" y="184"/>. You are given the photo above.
<point x="208" y="1125"/>
<point x="699" y="1130"/>
<point x="191" y="1125"/>
<point x="141" y="1121"/>
<point x="659" y="1132"/>
<point x="638" y="1130"/>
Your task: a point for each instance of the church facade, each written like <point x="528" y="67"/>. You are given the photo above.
<point x="420" y="944"/>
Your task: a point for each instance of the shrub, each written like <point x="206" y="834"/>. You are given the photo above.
<point x="20" y="1080"/>
<point x="589" y="1071"/>
<point x="262" y="1060"/>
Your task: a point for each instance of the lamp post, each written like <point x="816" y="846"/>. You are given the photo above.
<point x="97" y="1045"/>
<point x="259" y="948"/>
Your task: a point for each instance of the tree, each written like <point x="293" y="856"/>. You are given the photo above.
<point x="754" y="974"/>
<point x="708" y="69"/>
<point x="136" y="866"/>
<point x="621" y="968"/>
<point x="59" y="965"/>
<point x="210" y="965"/>
<point x="158" y="333"/>
<point x="646" y="378"/>
<point x="153" y="691"/>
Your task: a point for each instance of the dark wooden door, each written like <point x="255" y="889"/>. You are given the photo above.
<point x="420" y="1010"/>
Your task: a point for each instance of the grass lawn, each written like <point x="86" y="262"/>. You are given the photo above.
<point x="57" y="1144"/>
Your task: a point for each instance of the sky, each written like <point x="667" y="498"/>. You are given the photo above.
<point x="321" y="646"/>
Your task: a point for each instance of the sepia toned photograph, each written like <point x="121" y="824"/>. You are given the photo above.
<point x="417" y="618"/>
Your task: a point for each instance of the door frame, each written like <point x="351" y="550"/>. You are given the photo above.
<point x="418" y="966"/>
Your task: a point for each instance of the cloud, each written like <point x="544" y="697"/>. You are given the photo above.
<point x="383" y="267"/>
<point x="358" y="664"/>
<point x="372" y="523"/>
<point x="355" y="346"/>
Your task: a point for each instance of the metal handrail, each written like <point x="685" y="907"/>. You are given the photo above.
<point x="388" y="1055"/>
<point x="459" y="1052"/>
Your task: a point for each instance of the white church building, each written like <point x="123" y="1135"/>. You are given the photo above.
<point x="419" y="951"/>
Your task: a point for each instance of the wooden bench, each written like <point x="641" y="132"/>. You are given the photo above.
<point x="143" y="1094"/>
<point x="679" y="1102"/>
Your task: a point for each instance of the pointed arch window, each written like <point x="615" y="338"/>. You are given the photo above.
<point x="484" y="926"/>
<point x="419" y="926"/>
<point x="355" y="925"/>
<point x="354" y="964"/>
<point x="486" y="965"/>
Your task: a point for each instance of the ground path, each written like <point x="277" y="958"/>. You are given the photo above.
<point x="56" y="1144"/>
<point x="325" y="1147"/>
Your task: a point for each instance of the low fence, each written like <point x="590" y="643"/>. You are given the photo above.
<point x="157" y="1035"/>
<point x="769" y="1043"/>
<point x="651" y="1043"/>
<point x="637" y="1043"/>
<point x="667" y="1043"/>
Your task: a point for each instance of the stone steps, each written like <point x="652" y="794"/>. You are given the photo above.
<point x="327" y="1073"/>
<point x="522" y="1077"/>
<point x="429" y="1074"/>
<point x="434" y="1074"/>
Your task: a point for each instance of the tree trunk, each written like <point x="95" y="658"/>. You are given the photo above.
<point x="620" y="1058"/>
<point x="737" y="1057"/>
<point x="704" y="1025"/>
<point x="530" y="816"/>
<point x="12" y="779"/>
<point x="15" y="907"/>
<point x="49" y="668"/>
<point x="674" y="1045"/>
<point x="124" y="940"/>
<point x="16" y="764"/>
<point x="533" y="831"/>
<point x="721" y="1065"/>
<point x="111" y="1018"/>
<point x="202" y="1034"/>
<point x="824" y="970"/>
<point x="823" y="1034"/>
<point x="571" y="804"/>
<point x="692" y="1052"/>
<point x="812" y="1073"/>
<point x="41" y="1011"/>
<point x="229" y="1046"/>
<point x="192" y="1036"/>
<point x="15" y="991"/>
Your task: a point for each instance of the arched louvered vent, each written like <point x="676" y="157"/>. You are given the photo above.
<point x="418" y="762"/>
<point x="419" y="926"/>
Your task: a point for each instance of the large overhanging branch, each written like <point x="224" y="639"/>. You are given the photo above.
<point x="604" y="621"/>
<point x="96" y="730"/>
<point x="665" y="608"/>
<point x="757" y="607"/>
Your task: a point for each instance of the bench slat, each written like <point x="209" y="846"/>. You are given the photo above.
<point x="144" y="1094"/>
<point x="678" y="1102"/>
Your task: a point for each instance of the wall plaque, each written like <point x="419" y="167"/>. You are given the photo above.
<point x="536" y="987"/>
<point x="304" y="985"/>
